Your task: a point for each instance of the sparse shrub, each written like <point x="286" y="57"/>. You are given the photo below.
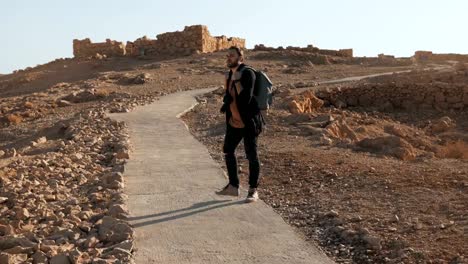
<point x="14" y="119"/>
<point x="101" y="93"/>
<point x="29" y="105"/>
<point x="454" y="150"/>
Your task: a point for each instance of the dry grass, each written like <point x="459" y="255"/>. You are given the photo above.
<point x="454" y="150"/>
<point x="101" y="93"/>
<point x="14" y="119"/>
<point x="29" y="105"/>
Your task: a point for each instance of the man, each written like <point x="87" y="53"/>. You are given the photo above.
<point x="243" y="121"/>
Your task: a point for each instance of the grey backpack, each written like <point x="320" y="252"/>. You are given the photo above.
<point x="263" y="91"/>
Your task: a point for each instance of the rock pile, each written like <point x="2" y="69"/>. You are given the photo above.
<point x="307" y="102"/>
<point x="68" y="206"/>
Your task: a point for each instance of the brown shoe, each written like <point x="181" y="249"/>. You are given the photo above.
<point x="229" y="190"/>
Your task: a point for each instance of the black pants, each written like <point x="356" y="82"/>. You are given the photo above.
<point x="231" y="141"/>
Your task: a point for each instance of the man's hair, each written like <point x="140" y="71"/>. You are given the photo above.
<point x="238" y="50"/>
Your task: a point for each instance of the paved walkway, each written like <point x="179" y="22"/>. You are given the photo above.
<point x="171" y="179"/>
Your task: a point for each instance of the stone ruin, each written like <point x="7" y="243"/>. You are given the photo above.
<point x="347" y="53"/>
<point x="85" y="48"/>
<point x="414" y="92"/>
<point x="429" y="56"/>
<point x="191" y="40"/>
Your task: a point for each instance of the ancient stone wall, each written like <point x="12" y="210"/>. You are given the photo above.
<point x="183" y="42"/>
<point x="428" y="56"/>
<point x="347" y="53"/>
<point x="435" y="95"/>
<point x="85" y="48"/>
<point x="192" y="39"/>
<point x="211" y="44"/>
<point x="141" y="46"/>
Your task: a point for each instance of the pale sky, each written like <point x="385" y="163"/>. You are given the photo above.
<point x="37" y="31"/>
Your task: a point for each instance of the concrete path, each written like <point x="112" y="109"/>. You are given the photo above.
<point x="171" y="179"/>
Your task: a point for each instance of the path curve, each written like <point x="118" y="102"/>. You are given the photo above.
<point x="171" y="179"/>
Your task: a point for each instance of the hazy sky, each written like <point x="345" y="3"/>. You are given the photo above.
<point x="34" y="32"/>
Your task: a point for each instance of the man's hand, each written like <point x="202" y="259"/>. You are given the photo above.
<point x="227" y="99"/>
<point x="223" y="108"/>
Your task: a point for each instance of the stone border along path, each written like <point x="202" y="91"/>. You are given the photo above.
<point x="362" y="77"/>
<point x="171" y="179"/>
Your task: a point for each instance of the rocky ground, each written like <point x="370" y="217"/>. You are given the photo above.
<point x="369" y="185"/>
<point x="61" y="159"/>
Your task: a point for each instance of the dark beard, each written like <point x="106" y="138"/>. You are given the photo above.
<point x="233" y="65"/>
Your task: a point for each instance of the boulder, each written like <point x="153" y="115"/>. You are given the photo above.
<point x="114" y="230"/>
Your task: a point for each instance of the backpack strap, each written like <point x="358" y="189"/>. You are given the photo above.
<point x="254" y="72"/>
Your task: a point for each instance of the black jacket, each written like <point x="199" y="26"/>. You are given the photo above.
<point x="246" y="102"/>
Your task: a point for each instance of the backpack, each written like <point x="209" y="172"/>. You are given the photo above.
<point x="263" y="89"/>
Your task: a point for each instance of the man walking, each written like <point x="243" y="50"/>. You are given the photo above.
<point x="243" y="121"/>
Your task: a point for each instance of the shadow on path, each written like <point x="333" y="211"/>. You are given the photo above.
<point x="197" y="207"/>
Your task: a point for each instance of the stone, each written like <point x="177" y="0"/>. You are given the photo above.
<point x="77" y="156"/>
<point x="78" y="257"/>
<point x="90" y="242"/>
<point x="395" y="130"/>
<point x="63" y="103"/>
<point x="352" y="101"/>
<point x="118" y="211"/>
<point x="11" y="241"/>
<point x="60" y="259"/>
<point x="12" y="259"/>
<point x="6" y="230"/>
<point x="324" y="140"/>
<point x="114" y="230"/>
<point x="85" y="215"/>
<point x="114" y="180"/>
<point x="321" y="120"/>
<point x="339" y="104"/>
<point x="22" y="213"/>
<point x="389" y="145"/>
<point x="443" y="124"/>
<point x="122" y="155"/>
<point x="372" y="242"/>
<point x="341" y="130"/>
<point x="332" y="213"/>
<point x="39" y="258"/>
<point x="102" y="261"/>
<point x="126" y="245"/>
<point x="121" y="254"/>
<point x="80" y="97"/>
<point x="3" y="199"/>
<point x="305" y="103"/>
<point x="10" y="153"/>
<point x="41" y="140"/>
<point x="98" y="56"/>
<point x="19" y="250"/>
<point x="141" y="78"/>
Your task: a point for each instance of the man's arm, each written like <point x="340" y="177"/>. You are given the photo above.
<point x="227" y="99"/>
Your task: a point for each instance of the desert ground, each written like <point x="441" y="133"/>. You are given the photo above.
<point x="371" y="179"/>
